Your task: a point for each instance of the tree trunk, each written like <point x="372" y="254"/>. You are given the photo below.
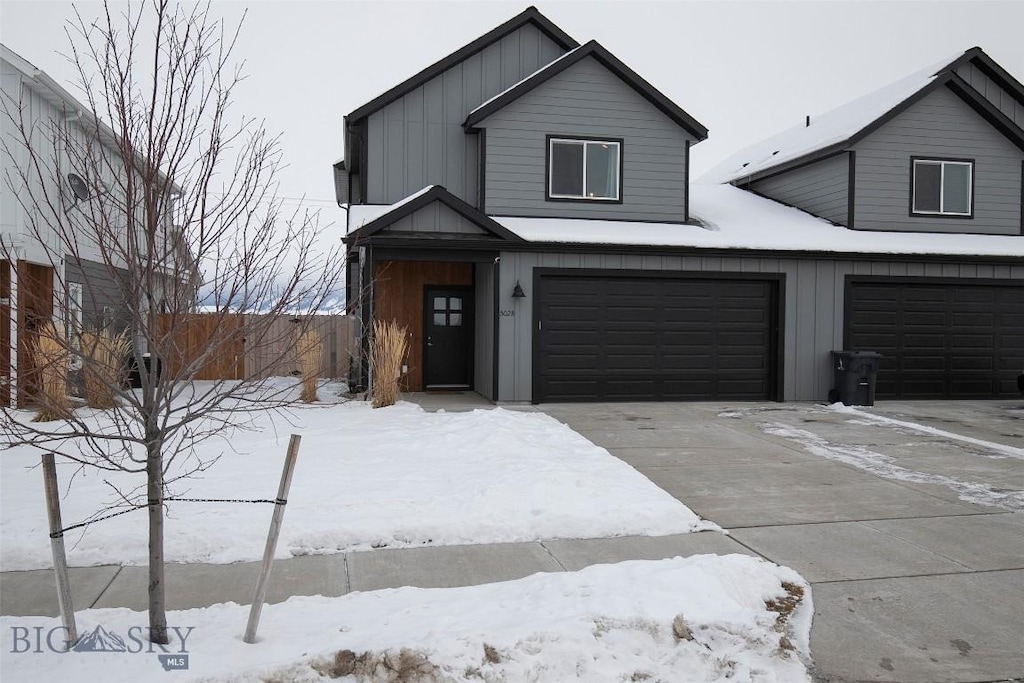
<point x="155" y="490"/>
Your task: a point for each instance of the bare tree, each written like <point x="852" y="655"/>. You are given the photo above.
<point x="173" y="202"/>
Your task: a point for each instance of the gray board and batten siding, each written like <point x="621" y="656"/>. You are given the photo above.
<point x="588" y="101"/>
<point x="418" y="139"/>
<point x="993" y="92"/>
<point x="812" y="293"/>
<point x="820" y="188"/>
<point x="940" y="126"/>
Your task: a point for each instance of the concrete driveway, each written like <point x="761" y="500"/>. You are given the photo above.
<point x="912" y="538"/>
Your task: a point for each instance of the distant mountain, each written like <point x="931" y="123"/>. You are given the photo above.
<point x="100" y="640"/>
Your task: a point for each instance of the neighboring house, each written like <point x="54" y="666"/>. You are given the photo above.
<point x="523" y="206"/>
<point x="38" y="283"/>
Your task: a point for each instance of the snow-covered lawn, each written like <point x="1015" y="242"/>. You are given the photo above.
<point x="365" y="478"/>
<point x="703" y="618"/>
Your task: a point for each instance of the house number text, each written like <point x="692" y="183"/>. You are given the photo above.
<point x="507" y="314"/>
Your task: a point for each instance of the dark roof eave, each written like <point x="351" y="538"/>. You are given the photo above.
<point x="531" y="15"/>
<point x="631" y="249"/>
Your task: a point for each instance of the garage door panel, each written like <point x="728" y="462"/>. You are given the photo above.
<point x="931" y="340"/>
<point x="973" y="341"/>
<point x="986" y="363"/>
<point x="974" y="352"/>
<point x="923" y="318"/>
<point x="971" y="295"/>
<point x="916" y="362"/>
<point x="973" y="318"/>
<point x="925" y="296"/>
<point x="657" y="339"/>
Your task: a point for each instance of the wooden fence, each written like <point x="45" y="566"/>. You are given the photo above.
<point x="277" y="355"/>
<point x="272" y="354"/>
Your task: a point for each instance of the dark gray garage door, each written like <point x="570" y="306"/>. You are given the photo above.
<point x="942" y="340"/>
<point x="605" y="338"/>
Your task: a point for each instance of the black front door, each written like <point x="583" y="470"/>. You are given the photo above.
<point x="448" y="337"/>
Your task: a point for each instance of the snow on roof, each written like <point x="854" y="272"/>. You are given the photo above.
<point x="732" y="218"/>
<point x="738" y="219"/>
<point x="521" y="81"/>
<point x="833" y="127"/>
<point x="361" y="214"/>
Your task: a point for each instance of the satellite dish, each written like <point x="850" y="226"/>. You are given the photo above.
<point x="78" y="186"/>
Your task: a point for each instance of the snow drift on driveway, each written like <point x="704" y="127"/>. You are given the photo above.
<point x="703" y="618"/>
<point x="365" y="478"/>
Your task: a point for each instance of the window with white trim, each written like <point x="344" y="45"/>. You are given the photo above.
<point x="942" y="188"/>
<point x="584" y="169"/>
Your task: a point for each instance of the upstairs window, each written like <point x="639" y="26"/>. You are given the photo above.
<point x="942" y="187"/>
<point x="584" y="169"/>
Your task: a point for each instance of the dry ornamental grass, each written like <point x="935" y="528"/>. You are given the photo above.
<point x="389" y="345"/>
<point x="51" y="357"/>
<point x="310" y="349"/>
<point x="103" y="366"/>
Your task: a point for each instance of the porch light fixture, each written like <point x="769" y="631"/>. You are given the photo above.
<point x="517" y="292"/>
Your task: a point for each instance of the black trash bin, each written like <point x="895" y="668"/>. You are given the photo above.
<point x="134" y="376"/>
<point x="854" y="374"/>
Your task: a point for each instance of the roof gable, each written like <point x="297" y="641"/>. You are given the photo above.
<point x="836" y="130"/>
<point x="610" y="62"/>
<point x="531" y="15"/>
<point x="422" y="199"/>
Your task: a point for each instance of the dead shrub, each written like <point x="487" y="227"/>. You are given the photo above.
<point x="103" y="366"/>
<point x="680" y="629"/>
<point x="392" y="666"/>
<point x="389" y="345"/>
<point x="310" y="349"/>
<point x="491" y="654"/>
<point x="51" y="358"/>
<point x="784" y="607"/>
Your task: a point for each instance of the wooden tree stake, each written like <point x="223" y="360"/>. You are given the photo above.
<point x="275" y="531"/>
<point x="60" y="560"/>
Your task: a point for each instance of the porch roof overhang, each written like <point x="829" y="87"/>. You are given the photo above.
<point x="373" y="226"/>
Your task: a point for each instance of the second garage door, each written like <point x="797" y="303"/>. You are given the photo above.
<point x="940" y="339"/>
<point x="638" y="338"/>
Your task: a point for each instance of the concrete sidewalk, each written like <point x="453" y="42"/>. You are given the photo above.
<point x="200" y="585"/>
<point x="910" y="583"/>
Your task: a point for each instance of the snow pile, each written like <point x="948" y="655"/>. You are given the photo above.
<point x="365" y="478"/>
<point x="703" y="618"/>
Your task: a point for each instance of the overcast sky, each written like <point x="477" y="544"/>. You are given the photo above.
<point x="744" y="69"/>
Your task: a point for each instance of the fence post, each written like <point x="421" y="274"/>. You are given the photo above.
<point x="60" y="561"/>
<point x="272" y="535"/>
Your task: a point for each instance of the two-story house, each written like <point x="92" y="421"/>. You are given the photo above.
<point x="52" y="267"/>
<point x="524" y="208"/>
